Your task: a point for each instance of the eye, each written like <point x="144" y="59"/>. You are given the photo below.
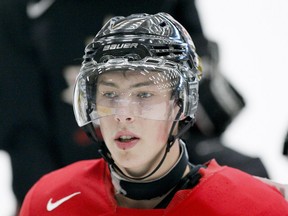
<point x="144" y="95"/>
<point x="111" y="94"/>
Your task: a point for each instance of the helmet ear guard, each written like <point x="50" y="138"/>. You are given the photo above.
<point x="192" y="98"/>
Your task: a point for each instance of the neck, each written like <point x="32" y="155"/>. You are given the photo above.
<point x="170" y="160"/>
<point x="145" y="190"/>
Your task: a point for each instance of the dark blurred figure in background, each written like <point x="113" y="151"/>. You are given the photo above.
<point x="285" y="149"/>
<point x="41" y="45"/>
<point x="215" y="113"/>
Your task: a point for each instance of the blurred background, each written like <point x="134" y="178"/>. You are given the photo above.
<point x="253" y="41"/>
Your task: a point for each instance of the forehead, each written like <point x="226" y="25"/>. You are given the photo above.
<point x="132" y="78"/>
<point x="124" y="74"/>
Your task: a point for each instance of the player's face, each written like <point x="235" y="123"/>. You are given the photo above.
<point x="134" y="138"/>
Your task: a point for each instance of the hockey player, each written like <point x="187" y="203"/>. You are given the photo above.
<point x="137" y="92"/>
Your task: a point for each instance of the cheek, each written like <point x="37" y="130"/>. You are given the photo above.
<point x="106" y="128"/>
<point x="159" y="131"/>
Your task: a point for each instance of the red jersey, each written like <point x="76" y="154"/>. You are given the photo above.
<point x="84" y="188"/>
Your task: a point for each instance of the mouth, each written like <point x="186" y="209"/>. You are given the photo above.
<point x="126" y="138"/>
<point x="126" y="142"/>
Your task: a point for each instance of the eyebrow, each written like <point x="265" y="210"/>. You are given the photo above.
<point x="137" y="85"/>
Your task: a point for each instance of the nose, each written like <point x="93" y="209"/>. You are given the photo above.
<point x="124" y="114"/>
<point x="124" y="118"/>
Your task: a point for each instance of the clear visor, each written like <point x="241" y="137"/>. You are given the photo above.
<point x="126" y="89"/>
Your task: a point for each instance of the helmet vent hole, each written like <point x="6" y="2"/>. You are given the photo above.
<point x="162" y="24"/>
<point x="152" y="61"/>
<point x="170" y="64"/>
<point x="165" y="50"/>
<point x="162" y="53"/>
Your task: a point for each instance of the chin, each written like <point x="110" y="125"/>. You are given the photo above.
<point x="129" y="162"/>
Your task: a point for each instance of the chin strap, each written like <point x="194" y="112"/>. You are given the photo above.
<point x="188" y="124"/>
<point x="104" y="152"/>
